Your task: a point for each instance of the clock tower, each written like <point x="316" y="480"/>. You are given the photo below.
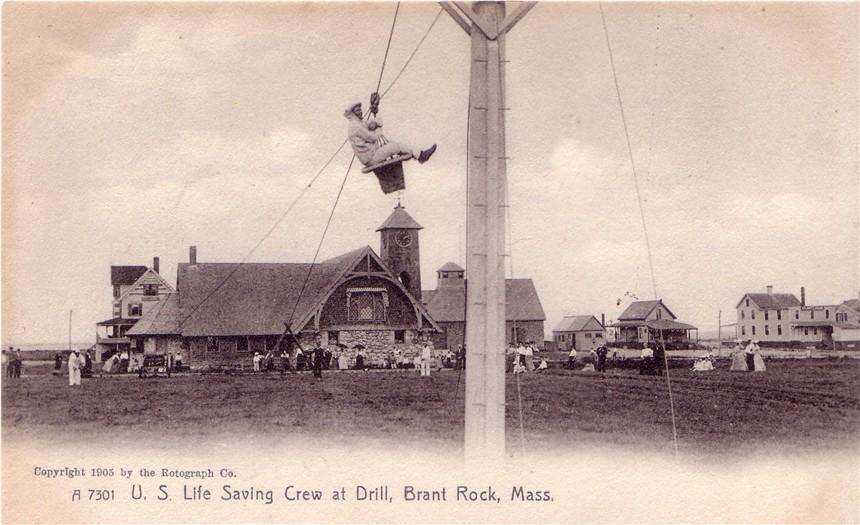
<point x="399" y="249"/>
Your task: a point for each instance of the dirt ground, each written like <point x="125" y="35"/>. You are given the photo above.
<point x="797" y="404"/>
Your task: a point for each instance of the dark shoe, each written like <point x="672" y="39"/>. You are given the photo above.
<point x="425" y="155"/>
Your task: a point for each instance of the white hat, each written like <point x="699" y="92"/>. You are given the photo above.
<point x="351" y="109"/>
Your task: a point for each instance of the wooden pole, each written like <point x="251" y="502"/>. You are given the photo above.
<point x="485" y="243"/>
<point x="70" y="330"/>
<point x="485" y="312"/>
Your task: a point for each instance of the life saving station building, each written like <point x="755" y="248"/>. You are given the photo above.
<point x="223" y="313"/>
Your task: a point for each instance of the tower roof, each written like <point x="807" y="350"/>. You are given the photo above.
<point x="451" y="267"/>
<point x="400" y="220"/>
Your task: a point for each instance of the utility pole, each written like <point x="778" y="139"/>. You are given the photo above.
<point x="487" y="26"/>
<point x="719" y="332"/>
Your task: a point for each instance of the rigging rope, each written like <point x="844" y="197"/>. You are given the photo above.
<point x="387" y="46"/>
<point x="466" y="262"/>
<point x="644" y="228"/>
<point x="319" y="246"/>
<point x="411" y="56"/>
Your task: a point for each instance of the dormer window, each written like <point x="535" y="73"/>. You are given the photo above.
<point x="150" y="290"/>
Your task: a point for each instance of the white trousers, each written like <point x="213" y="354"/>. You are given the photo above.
<point x="75" y="377"/>
<point x="425" y="367"/>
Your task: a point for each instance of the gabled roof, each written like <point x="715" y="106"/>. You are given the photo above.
<point x="222" y="299"/>
<point x="401" y="220"/>
<point x="147" y="277"/>
<point x="448" y="304"/>
<point x="853" y="304"/>
<point x="578" y="323"/>
<point x="125" y="275"/>
<point x="451" y="267"/>
<point x="641" y="309"/>
<point x="160" y="320"/>
<point x="771" y="301"/>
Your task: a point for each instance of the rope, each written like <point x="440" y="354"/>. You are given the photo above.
<point x="642" y="215"/>
<point x="387" y="47"/>
<point x="264" y="237"/>
<point x="520" y="403"/>
<point x="630" y="152"/>
<point x="414" y="52"/>
<point x="319" y="246"/>
<point x="466" y="262"/>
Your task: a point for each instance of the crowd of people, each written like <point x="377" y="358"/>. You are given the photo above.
<point x="340" y="357"/>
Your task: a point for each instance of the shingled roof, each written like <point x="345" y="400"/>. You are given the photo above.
<point x="641" y="309"/>
<point x="257" y="298"/>
<point x="578" y="323"/>
<point x="771" y="301"/>
<point x="448" y="304"/>
<point x="854" y="304"/>
<point x="161" y="320"/>
<point x="399" y="219"/>
<point x="125" y="275"/>
<point x="451" y="267"/>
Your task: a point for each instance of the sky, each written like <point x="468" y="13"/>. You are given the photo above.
<point x="134" y="130"/>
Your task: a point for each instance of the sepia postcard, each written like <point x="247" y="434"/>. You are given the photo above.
<point x="415" y="262"/>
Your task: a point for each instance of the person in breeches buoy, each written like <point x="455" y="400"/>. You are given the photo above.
<point x="367" y="140"/>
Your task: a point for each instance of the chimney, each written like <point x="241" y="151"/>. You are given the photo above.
<point x="769" y="290"/>
<point x="192" y="255"/>
<point x="155" y="264"/>
<point x="802" y="296"/>
<point x="603" y="319"/>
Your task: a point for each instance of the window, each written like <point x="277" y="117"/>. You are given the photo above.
<point x="752" y="313"/>
<point x="812" y="314"/>
<point x="367" y="304"/>
<point x="116" y="293"/>
<point x="743" y="315"/>
<point x="766" y="329"/>
<point x="753" y="330"/>
<point x="806" y="331"/>
<point x="743" y="330"/>
<point x="332" y="337"/>
<point x="134" y="309"/>
<point x="399" y="336"/>
<point x="779" y="315"/>
<point x="150" y="289"/>
<point x="765" y="315"/>
<point x="779" y="329"/>
<point x="659" y="313"/>
<point x="827" y="314"/>
<point x="815" y="331"/>
<point x="117" y="309"/>
<point x="797" y="314"/>
<point x="242" y="344"/>
<point x="748" y="303"/>
<point x="211" y="344"/>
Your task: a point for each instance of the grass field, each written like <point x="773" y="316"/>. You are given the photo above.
<point x="797" y="404"/>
